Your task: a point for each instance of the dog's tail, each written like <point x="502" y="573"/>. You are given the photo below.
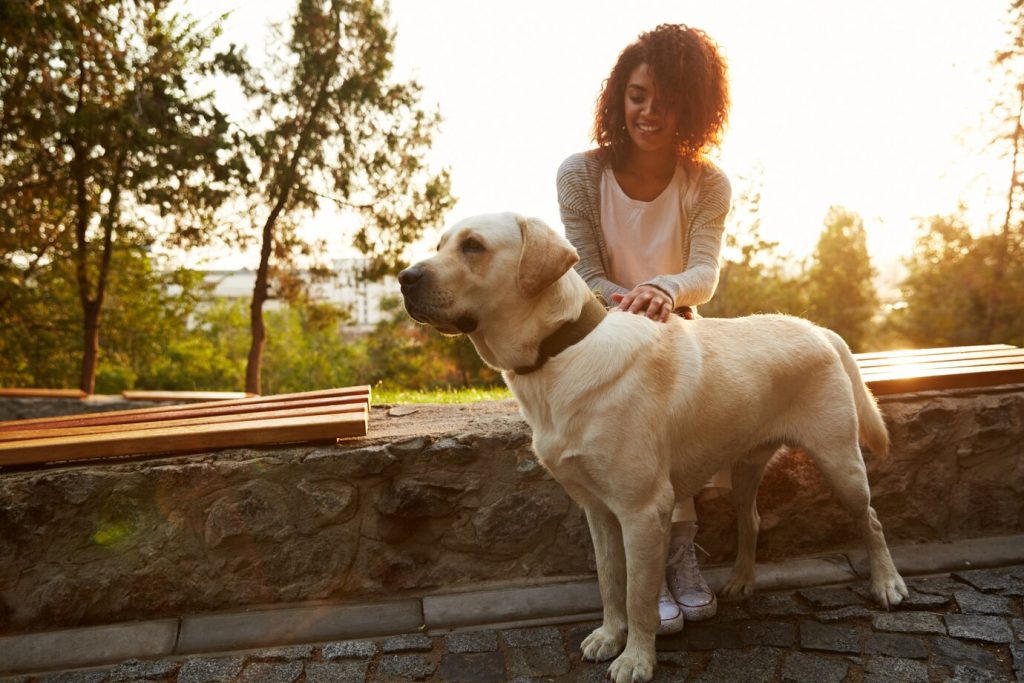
<point x="869" y="418"/>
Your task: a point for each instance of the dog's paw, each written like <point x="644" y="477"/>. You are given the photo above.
<point x="602" y="644"/>
<point x="890" y="591"/>
<point x="632" y="666"/>
<point x="738" y="587"/>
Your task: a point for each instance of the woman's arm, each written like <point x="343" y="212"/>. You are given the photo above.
<point x="581" y="231"/>
<point x="696" y="284"/>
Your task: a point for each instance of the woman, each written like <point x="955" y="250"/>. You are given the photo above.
<point x="646" y="212"/>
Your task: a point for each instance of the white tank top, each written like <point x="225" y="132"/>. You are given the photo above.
<point x="644" y="239"/>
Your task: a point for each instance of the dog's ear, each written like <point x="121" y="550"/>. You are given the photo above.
<point x="546" y="256"/>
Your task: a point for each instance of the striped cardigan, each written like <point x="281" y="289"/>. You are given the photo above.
<point x="703" y="208"/>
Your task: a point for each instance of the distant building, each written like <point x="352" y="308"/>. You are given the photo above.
<point x="343" y="287"/>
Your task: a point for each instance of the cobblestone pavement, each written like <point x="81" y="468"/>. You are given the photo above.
<point x="964" y="626"/>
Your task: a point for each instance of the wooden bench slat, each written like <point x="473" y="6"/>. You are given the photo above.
<point x="932" y="367"/>
<point x="359" y="390"/>
<point x="42" y="393"/>
<point x="147" y="395"/>
<point x="185" y="439"/>
<point x="332" y="409"/>
<point x="904" y="353"/>
<point x="945" y="378"/>
<point x="934" y="357"/>
<point x="179" y="412"/>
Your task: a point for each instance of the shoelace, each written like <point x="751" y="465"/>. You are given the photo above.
<point x="686" y="556"/>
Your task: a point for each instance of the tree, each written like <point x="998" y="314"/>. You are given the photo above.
<point x="755" y="277"/>
<point x="104" y="141"/>
<point x="1009" y="110"/>
<point x="330" y="125"/>
<point x="841" y="294"/>
<point x="946" y="291"/>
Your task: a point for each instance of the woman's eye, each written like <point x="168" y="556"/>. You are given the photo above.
<point x="472" y="246"/>
<point x="636" y="100"/>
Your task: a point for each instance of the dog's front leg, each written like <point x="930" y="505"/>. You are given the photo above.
<point x="645" y="536"/>
<point x="607" y="641"/>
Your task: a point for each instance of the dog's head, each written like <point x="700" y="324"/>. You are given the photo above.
<point x="484" y="266"/>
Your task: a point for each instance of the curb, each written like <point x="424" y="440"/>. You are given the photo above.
<point x="513" y="606"/>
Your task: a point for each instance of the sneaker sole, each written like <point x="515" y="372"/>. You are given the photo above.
<point x="671" y="626"/>
<point x="699" y="613"/>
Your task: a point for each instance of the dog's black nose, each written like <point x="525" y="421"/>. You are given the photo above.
<point x="410" y="276"/>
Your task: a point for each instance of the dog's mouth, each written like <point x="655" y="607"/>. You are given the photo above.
<point x="464" y="324"/>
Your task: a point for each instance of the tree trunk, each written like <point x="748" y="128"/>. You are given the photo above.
<point x="254" y="364"/>
<point x="90" y="346"/>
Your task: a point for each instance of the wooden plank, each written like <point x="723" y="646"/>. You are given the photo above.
<point x="932" y="368"/>
<point x="42" y="393"/>
<point x="362" y="392"/>
<point x="205" y="410"/>
<point x="333" y="409"/>
<point x="185" y="439"/>
<point x="948" y="378"/>
<point x="145" y="395"/>
<point x="936" y="357"/>
<point x="904" y="353"/>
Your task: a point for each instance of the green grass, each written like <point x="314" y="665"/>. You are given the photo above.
<point x="385" y="394"/>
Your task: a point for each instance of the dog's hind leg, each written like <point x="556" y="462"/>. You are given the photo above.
<point x="842" y="466"/>
<point x="746" y="477"/>
<point x="608" y="640"/>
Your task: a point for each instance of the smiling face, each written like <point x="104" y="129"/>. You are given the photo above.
<point x="651" y="127"/>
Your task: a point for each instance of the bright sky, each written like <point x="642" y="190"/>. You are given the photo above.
<point x="874" y="105"/>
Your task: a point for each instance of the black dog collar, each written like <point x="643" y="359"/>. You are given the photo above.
<point x="566" y="335"/>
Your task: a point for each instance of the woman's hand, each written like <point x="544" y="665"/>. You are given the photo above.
<point x="646" y="300"/>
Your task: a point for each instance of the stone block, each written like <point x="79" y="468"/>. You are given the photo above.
<point x="82" y="647"/>
<point x="829" y="637"/>
<point x="473" y="667"/>
<point x="409" y="642"/>
<point x="210" y="669"/>
<point x="350" y="649"/>
<point x="271" y="672"/>
<point x="510" y="605"/>
<point x="260" y="628"/>
<point x="415" y="667"/>
<point x="462" y="642"/>
<point x="973" y="602"/>
<point x="909" y="622"/>
<point x="756" y="666"/>
<point x="801" y="667"/>
<point x="336" y="672"/>
<point x="888" y="669"/>
<point x="543" y="660"/>
<point x="979" y="627"/>
<point x="895" y="645"/>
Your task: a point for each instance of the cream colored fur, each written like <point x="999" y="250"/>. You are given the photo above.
<point x="639" y="413"/>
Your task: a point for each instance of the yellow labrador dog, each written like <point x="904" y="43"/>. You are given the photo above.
<point x="628" y="414"/>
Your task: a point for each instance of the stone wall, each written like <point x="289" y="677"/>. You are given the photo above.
<point x="443" y="498"/>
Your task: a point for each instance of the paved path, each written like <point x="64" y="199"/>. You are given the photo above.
<point x="964" y="626"/>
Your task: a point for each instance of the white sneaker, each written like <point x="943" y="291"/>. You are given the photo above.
<point x="668" y="610"/>
<point x="691" y="592"/>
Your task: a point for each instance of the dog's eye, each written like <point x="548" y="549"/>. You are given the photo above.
<point x="472" y="246"/>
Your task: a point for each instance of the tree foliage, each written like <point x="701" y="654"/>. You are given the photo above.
<point x="329" y="123"/>
<point x="755" y="277"/>
<point x="839" y="282"/>
<point x="105" y="140"/>
<point x="946" y="291"/>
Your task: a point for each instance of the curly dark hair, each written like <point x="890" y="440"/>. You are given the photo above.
<point x="692" y="81"/>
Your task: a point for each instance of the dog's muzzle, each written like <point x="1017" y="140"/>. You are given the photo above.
<point x="415" y="283"/>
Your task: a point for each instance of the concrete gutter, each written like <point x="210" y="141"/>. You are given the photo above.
<point x="496" y="607"/>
